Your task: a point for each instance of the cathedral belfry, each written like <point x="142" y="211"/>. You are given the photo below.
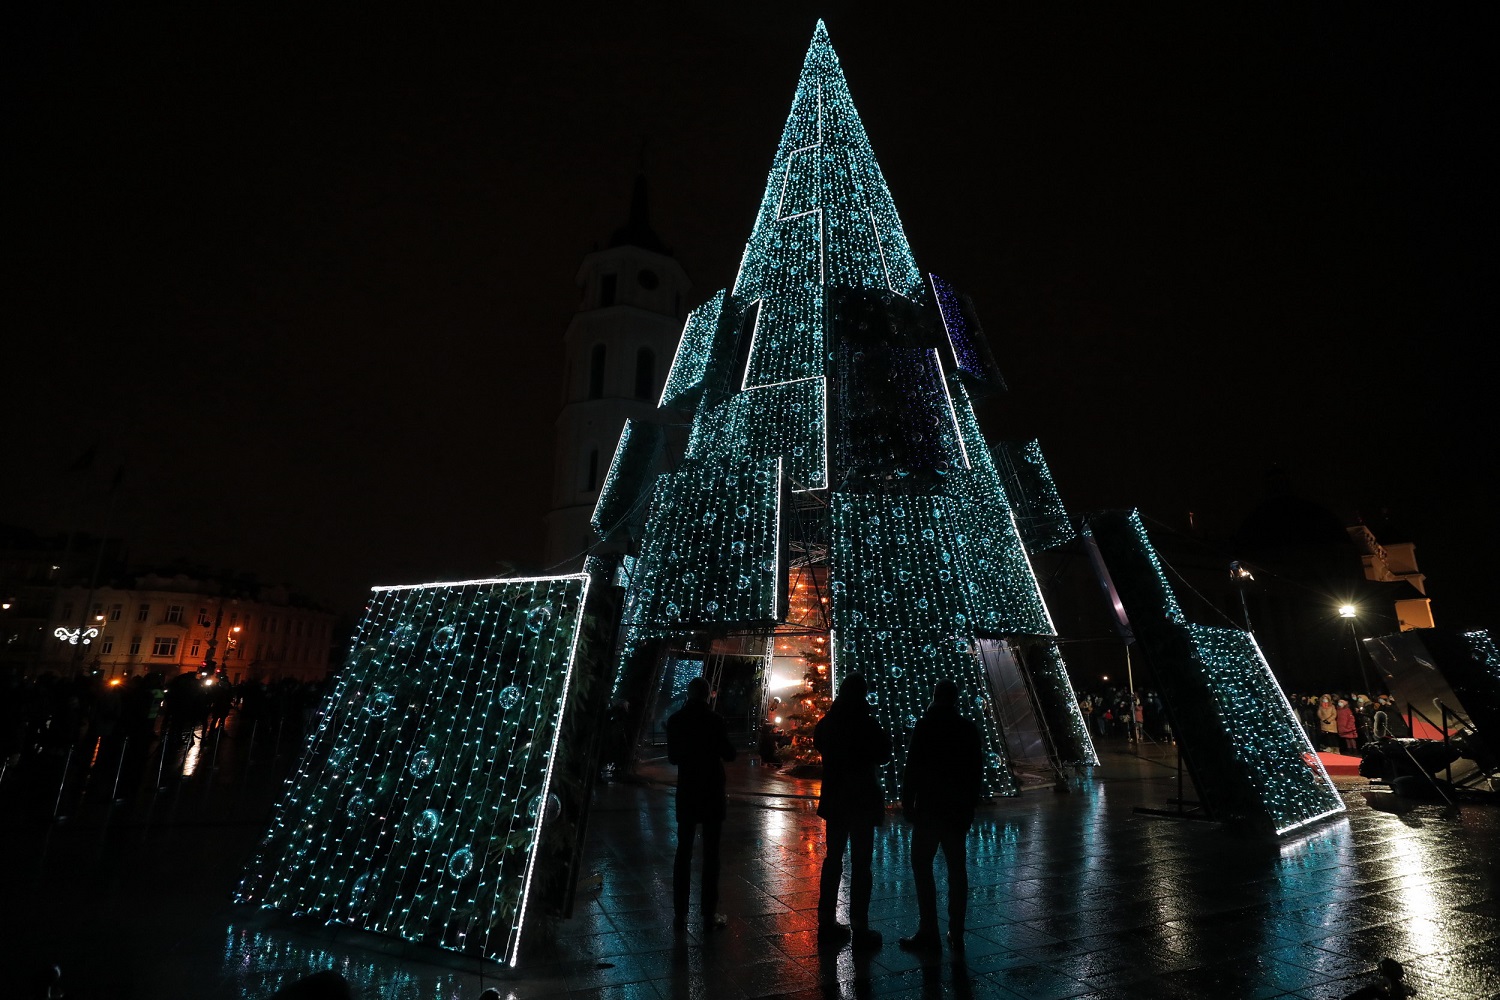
<point x="619" y="345"/>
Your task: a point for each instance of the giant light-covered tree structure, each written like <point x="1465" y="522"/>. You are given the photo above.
<point x="831" y="428"/>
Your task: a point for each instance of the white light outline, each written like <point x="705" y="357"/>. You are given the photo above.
<point x="932" y="281"/>
<point x="1036" y="586"/>
<point x="833" y="660"/>
<point x="880" y="245"/>
<point x="760" y="308"/>
<point x="958" y="431"/>
<point x="609" y="476"/>
<point x="787" y="176"/>
<point x="776" y="577"/>
<point x="551" y="763"/>
<point x="474" y="583"/>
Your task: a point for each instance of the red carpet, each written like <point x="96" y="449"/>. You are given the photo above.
<point x="1339" y="766"/>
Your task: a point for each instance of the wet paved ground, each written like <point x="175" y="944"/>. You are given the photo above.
<point x="1072" y="896"/>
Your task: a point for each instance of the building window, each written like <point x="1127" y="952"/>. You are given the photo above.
<point x="115" y="611"/>
<point x="197" y="645"/>
<point x="107" y="646"/>
<point x="174" y="614"/>
<point x="272" y="629"/>
<point x="135" y="645"/>
<point x="164" y="645"/>
<point x="645" y="373"/>
<point x="606" y="290"/>
<point x="67" y="611"/>
<point x="596" y="372"/>
<point x="98" y="612"/>
<point x="591" y="472"/>
<point x="143" y="613"/>
<point x="203" y="618"/>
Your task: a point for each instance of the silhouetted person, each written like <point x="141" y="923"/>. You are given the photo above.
<point x="698" y="743"/>
<point x="853" y="746"/>
<point x="943" y="784"/>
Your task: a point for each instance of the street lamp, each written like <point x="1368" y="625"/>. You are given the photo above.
<point x="1242" y="576"/>
<point x="1350" y="613"/>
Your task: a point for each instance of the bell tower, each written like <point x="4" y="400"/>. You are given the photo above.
<point x="619" y="346"/>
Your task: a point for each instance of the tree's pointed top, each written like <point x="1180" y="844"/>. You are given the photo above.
<point x="827" y="217"/>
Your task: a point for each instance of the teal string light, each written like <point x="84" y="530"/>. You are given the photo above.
<point x="1040" y="515"/>
<point x="694" y="350"/>
<point x="713" y="553"/>
<point x="636" y="456"/>
<point x="419" y="802"/>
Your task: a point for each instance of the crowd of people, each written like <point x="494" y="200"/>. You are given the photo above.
<point x="1341" y="722"/>
<point x="1344" y="722"/>
<point x="1115" y="712"/>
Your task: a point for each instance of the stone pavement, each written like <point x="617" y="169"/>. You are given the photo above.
<point x="1072" y="895"/>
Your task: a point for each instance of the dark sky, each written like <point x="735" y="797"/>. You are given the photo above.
<point x="306" y="276"/>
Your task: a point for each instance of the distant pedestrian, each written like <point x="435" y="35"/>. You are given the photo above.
<point x="698" y="743"/>
<point x="853" y="746"/>
<point x="943" y="785"/>
<point x="1328" y="725"/>
<point x="1347" y="726"/>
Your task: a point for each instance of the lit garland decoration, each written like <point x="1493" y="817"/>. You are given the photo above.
<point x="690" y="363"/>
<point x="74" y="636"/>
<point x="1250" y="758"/>
<point x="420" y="801"/>
<point x="833" y="356"/>
<point x="770" y="421"/>
<point x="966" y="341"/>
<point x="715" y="548"/>
<point x="903" y="621"/>
<point x="636" y="454"/>
<point x="1040" y="514"/>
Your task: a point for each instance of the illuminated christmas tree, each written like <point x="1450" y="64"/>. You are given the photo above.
<point x="836" y="492"/>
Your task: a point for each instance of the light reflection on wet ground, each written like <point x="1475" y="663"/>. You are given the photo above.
<point x="1071" y="895"/>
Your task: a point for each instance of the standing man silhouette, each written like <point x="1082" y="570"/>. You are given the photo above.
<point x="852" y="805"/>
<point x="698" y="743"/>
<point x="943" y="784"/>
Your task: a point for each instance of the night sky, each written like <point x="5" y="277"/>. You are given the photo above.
<point x="305" y="277"/>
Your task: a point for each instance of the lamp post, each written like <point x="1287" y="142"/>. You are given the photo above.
<point x="1350" y="613"/>
<point x="231" y="639"/>
<point x="1241" y="577"/>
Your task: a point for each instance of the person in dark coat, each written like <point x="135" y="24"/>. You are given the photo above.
<point x="943" y="785"/>
<point x="853" y="746"/>
<point x="698" y="743"/>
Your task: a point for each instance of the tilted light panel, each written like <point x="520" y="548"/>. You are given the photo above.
<point x="419" y="803"/>
<point x="713" y="550"/>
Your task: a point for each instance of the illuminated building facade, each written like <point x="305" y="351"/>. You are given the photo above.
<point x="170" y="624"/>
